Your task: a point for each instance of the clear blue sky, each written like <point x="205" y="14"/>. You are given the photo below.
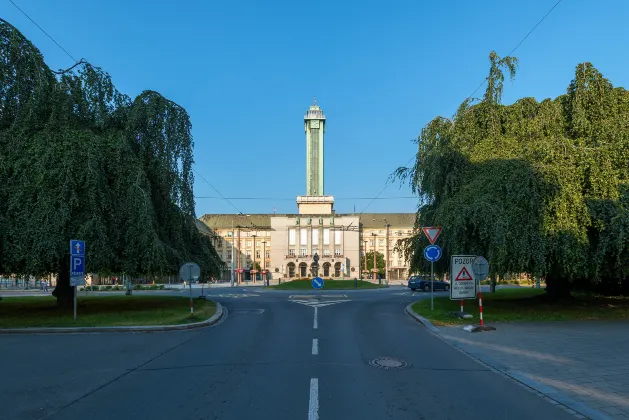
<point x="246" y="71"/>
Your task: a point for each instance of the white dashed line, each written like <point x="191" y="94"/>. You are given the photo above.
<point x="315" y="325"/>
<point x="315" y="346"/>
<point x="313" y="406"/>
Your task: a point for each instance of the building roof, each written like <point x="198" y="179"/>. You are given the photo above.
<point x="263" y="221"/>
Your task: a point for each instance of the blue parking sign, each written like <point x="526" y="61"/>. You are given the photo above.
<point x="77" y="266"/>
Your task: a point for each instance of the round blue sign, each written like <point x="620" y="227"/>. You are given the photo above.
<point x="317" y="283"/>
<point x="432" y="253"/>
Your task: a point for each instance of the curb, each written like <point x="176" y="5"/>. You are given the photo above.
<point x="220" y="312"/>
<point x="547" y="391"/>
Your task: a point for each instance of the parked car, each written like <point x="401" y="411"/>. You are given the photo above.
<point x="423" y="283"/>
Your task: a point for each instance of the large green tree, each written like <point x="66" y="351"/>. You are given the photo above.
<point x="536" y="187"/>
<point x="380" y="262"/>
<point x="81" y="160"/>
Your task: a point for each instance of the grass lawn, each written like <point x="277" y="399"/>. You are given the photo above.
<point x="327" y="285"/>
<point x="93" y="311"/>
<point x="525" y="304"/>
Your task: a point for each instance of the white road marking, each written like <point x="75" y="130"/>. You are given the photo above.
<point x="315" y="325"/>
<point x="313" y="405"/>
<point x="234" y="295"/>
<point x="315" y="346"/>
<point x="318" y="304"/>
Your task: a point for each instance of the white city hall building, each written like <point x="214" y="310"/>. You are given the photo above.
<point x="284" y="245"/>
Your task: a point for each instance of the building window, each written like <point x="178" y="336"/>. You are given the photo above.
<point x="337" y="252"/>
<point x="268" y="254"/>
<point x="248" y="243"/>
<point x="229" y="234"/>
<point x="371" y="243"/>
<point x="229" y="255"/>
<point x="337" y="237"/>
<point x="304" y="252"/>
<point x="248" y="253"/>
<point x="257" y="254"/>
<point x="399" y="233"/>
<point x="315" y="251"/>
<point x="326" y="236"/>
<point x="326" y="252"/>
<point x="291" y="236"/>
<point x="362" y="253"/>
<point x="303" y="236"/>
<point x="291" y="252"/>
<point x="315" y="236"/>
<point x="409" y="232"/>
<point x="381" y="242"/>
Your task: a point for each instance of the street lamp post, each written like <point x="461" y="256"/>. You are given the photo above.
<point x="265" y="277"/>
<point x="365" y="256"/>
<point x="239" y="267"/>
<point x="386" y="273"/>
<point x="375" y="267"/>
<point x="253" y="265"/>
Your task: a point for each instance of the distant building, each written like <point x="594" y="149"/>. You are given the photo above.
<point x="284" y="245"/>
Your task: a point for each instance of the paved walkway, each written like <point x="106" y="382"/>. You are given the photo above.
<point x="586" y="361"/>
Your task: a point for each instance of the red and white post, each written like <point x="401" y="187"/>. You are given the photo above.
<point x="480" y="307"/>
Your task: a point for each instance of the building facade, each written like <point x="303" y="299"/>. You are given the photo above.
<point x="283" y="246"/>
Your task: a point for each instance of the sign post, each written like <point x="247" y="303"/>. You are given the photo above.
<point x="480" y="266"/>
<point x="432" y="253"/>
<point x="190" y="272"/>
<point x="77" y="266"/>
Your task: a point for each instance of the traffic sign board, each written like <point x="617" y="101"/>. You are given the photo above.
<point x="317" y="283"/>
<point x="480" y="266"/>
<point x="190" y="271"/>
<point x="77" y="262"/>
<point x="462" y="282"/>
<point x="432" y="253"/>
<point x="432" y="233"/>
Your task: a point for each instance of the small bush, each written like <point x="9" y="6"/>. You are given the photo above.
<point x="108" y="287"/>
<point x="137" y="287"/>
<point x="161" y="287"/>
<point x="153" y="287"/>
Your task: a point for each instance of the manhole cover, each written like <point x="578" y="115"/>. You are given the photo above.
<point x="388" y="363"/>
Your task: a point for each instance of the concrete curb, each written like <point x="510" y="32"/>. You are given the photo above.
<point x="220" y="312"/>
<point x="549" y="392"/>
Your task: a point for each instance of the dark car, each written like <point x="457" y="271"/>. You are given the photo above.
<point x="423" y="283"/>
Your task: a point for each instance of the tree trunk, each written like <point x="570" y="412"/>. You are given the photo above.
<point x="63" y="291"/>
<point x="557" y="287"/>
<point x="493" y="283"/>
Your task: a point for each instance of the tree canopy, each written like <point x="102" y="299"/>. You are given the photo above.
<point x="535" y="187"/>
<point x="380" y="262"/>
<point x="80" y="160"/>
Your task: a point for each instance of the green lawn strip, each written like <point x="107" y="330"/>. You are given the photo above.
<point x="328" y="285"/>
<point x="101" y="311"/>
<point x="525" y="304"/>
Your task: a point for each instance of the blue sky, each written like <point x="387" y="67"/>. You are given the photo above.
<point x="246" y="71"/>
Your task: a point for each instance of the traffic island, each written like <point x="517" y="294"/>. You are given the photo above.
<point x="106" y="313"/>
<point x="329" y="285"/>
<point x="524" y="304"/>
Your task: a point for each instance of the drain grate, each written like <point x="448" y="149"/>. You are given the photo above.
<point x="388" y="363"/>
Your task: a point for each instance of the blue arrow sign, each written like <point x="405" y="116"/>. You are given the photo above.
<point x="317" y="283"/>
<point x="432" y="253"/>
<point x="77" y="247"/>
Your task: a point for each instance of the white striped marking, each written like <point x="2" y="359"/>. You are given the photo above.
<point x="313" y="406"/>
<point x="315" y="325"/>
<point x="315" y="346"/>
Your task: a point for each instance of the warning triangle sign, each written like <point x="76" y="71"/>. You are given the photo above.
<point x="432" y="233"/>
<point x="464" y="275"/>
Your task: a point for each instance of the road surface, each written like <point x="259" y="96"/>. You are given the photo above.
<point x="277" y="355"/>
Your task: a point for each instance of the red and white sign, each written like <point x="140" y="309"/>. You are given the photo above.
<point x="464" y="275"/>
<point x="432" y="233"/>
<point x="462" y="281"/>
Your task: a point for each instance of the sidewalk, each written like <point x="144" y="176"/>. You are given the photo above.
<point x="584" y="360"/>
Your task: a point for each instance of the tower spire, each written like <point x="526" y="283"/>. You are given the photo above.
<point x="314" y="102"/>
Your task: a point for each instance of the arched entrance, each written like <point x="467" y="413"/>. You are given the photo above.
<point x="291" y="269"/>
<point x="326" y="269"/>
<point x="313" y="269"/>
<point x="303" y="269"/>
<point x="337" y="269"/>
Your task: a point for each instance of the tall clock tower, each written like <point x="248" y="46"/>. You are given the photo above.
<point x="314" y="125"/>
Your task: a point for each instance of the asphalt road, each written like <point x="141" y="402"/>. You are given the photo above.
<point x="273" y="357"/>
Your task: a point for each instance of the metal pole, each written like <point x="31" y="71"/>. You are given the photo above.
<point x="190" y="283"/>
<point x="75" y="303"/>
<point x="386" y="274"/>
<point x="232" y="270"/>
<point x="375" y="271"/>
<point x="432" y="285"/>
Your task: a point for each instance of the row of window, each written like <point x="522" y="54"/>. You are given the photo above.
<point x="304" y="251"/>
<point x="314" y="240"/>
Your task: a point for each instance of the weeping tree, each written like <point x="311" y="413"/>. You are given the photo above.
<point x="536" y="187"/>
<point x="81" y="160"/>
